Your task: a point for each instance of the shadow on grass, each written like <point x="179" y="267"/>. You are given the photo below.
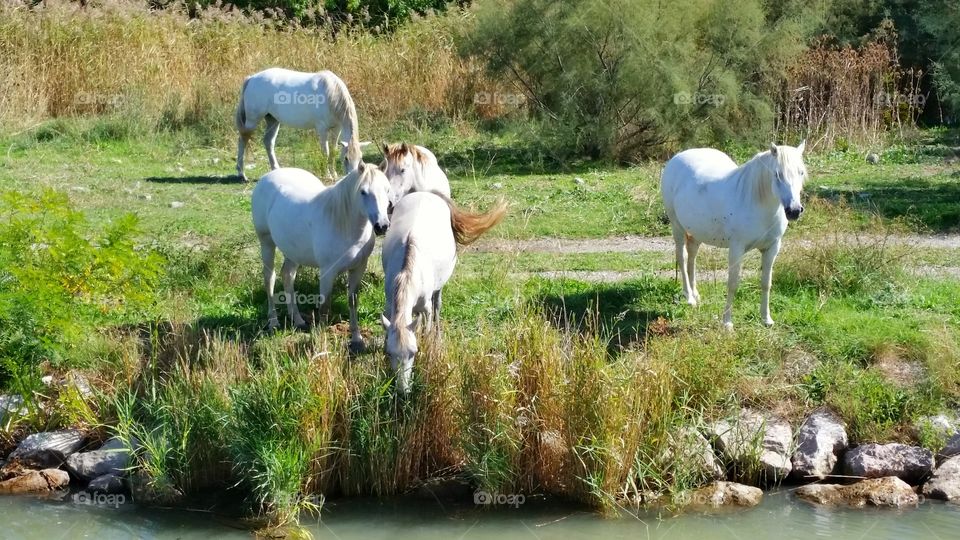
<point x="621" y="312"/>
<point x="227" y="179"/>
<point x="491" y="159"/>
<point x="932" y="205"/>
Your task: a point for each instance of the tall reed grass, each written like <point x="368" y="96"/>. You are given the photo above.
<point x="162" y="69"/>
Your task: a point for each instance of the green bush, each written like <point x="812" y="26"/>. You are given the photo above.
<point x="60" y="279"/>
<point x="626" y="78"/>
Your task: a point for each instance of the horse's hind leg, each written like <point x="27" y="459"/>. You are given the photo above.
<point x="270" y="141"/>
<point x="289" y="274"/>
<point x="692" y="248"/>
<point x="267" y="253"/>
<point x="354" y="277"/>
<point x="679" y="239"/>
<point x="766" y="278"/>
<point x="735" y="260"/>
<point x="323" y="135"/>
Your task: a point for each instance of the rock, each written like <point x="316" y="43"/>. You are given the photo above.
<point x="48" y="449"/>
<point x="691" y="449"/>
<point x="497" y="185"/>
<point x="112" y="458"/>
<point x="36" y="482"/>
<point x="11" y="407"/>
<point x="873" y="158"/>
<point x="579" y="181"/>
<point x="886" y="491"/>
<point x="176" y="204"/>
<point x="722" y="493"/>
<point x="109" y="483"/>
<point x="821" y="440"/>
<point x="944" y="425"/>
<point x="945" y="483"/>
<point x="952" y="448"/>
<point x="740" y="440"/>
<point x="909" y="463"/>
<point x="451" y="488"/>
<point x="145" y="489"/>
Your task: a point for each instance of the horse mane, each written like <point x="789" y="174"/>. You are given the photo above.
<point x="396" y="151"/>
<point x="401" y="290"/>
<point x="341" y="197"/>
<point x="752" y="180"/>
<point x="341" y="103"/>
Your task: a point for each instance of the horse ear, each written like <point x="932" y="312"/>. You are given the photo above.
<point x="773" y="149"/>
<point x="384" y="321"/>
<point x="803" y="143"/>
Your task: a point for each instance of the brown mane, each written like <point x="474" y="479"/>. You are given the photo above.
<point x="396" y="151"/>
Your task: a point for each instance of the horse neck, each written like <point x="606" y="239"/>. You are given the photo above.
<point x="349" y="126"/>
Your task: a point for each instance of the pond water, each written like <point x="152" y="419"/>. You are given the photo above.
<point x="779" y="516"/>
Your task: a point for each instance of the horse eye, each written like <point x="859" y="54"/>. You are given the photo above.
<point x="403" y="171"/>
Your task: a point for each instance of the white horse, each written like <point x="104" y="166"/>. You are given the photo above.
<point x="303" y="100"/>
<point x="709" y="199"/>
<point x="412" y="168"/>
<point x="331" y="228"/>
<point x="419" y="254"/>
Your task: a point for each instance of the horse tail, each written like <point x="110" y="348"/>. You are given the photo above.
<point x="469" y="226"/>
<point x="241" y="115"/>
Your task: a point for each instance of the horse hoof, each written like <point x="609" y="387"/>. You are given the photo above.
<point x="768" y="323"/>
<point x="357" y="347"/>
<point x="692" y="302"/>
<point x="728" y="326"/>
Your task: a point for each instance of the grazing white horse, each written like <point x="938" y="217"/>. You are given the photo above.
<point x="709" y="199"/>
<point x="412" y="168"/>
<point x="331" y="228"/>
<point x="319" y="101"/>
<point x="419" y="254"/>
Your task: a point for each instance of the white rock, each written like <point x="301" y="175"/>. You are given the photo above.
<point x="887" y="491"/>
<point x="176" y="204"/>
<point x="945" y="482"/>
<point x="722" y="493"/>
<point x="820" y="442"/>
<point x="47" y="447"/>
<point x="740" y="439"/>
<point x="909" y="463"/>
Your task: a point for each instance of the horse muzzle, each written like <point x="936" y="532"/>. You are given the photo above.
<point x="380" y="229"/>
<point x="793" y="213"/>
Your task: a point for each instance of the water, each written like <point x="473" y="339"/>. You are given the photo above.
<point x="779" y="516"/>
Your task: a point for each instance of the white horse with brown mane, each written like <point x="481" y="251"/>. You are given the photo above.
<point x="331" y="228"/>
<point x="419" y="255"/>
<point x="709" y="199"/>
<point x="317" y="101"/>
<point x="412" y="168"/>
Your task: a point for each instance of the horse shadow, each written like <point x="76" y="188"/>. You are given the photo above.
<point x="623" y="313"/>
<point x="196" y="179"/>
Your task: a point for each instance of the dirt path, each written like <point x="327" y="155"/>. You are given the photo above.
<point x="720" y="276"/>
<point x="660" y="244"/>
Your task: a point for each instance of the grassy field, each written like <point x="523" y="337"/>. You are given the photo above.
<point x="600" y="373"/>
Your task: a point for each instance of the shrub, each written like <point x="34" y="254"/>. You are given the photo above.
<point x="60" y="279"/>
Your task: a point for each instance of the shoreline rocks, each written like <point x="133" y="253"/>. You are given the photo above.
<point x="723" y="493"/>
<point x="945" y="482"/>
<point x="36" y="482"/>
<point x="112" y="458"/>
<point x="821" y="441"/>
<point x="47" y="449"/>
<point x="888" y="491"/>
<point x="751" y="433"/>
<point x="909" y="463"/>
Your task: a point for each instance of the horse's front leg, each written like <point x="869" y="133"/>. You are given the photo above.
<point x="354" y="277"/>
<point x="766" y="279"/>
<point x="289" y="274"/>
<point x="735" y="261"/>
<point x="325" y="292"/>
<point x="692" y="248"/>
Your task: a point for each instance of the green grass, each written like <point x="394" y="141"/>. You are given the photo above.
<point x="557" y="386"/>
